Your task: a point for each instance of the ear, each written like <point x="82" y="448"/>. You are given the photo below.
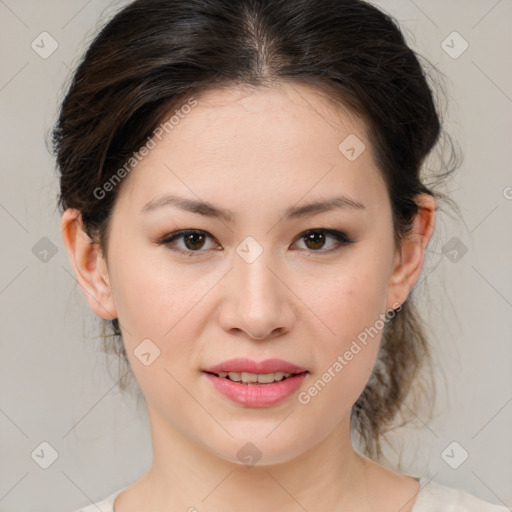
<point x="88" y="264"/>
<point x="410" y="256"/>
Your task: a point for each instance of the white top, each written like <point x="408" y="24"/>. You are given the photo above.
<point x="432" y="497"/>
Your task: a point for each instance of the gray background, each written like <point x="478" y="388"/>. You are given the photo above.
<point x="55" y="386"/>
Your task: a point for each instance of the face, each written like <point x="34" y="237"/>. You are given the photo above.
<point x="267" y="278"/>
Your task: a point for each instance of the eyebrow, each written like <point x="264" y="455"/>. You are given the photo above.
<point x="209" y="210"/>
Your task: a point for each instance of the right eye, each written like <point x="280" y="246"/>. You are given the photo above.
<point x="193" y="240"/>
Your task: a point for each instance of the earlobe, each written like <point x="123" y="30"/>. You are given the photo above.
<point x="88" y="264"/>
<point x="410" y="257"/>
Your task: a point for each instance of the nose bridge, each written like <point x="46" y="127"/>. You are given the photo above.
<point x="257" y="302"/>
<point x="252" y="270"/>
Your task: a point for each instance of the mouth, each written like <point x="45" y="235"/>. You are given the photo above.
<point x="248" y="389"/>
<point x="256" y="378"/>
<point x="251" y="383"/>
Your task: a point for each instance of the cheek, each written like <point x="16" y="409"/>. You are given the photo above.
<point x="157" y="305"/>
<point x="351" y="308"/>
<point x="152" y="296"/>
<point x="165" y="304"/>
<point x="351" y="301"/>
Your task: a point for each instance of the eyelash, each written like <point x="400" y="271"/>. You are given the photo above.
<point x="341" y="238"/>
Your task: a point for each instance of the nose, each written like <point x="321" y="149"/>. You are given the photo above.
<point x="257" y="300"/>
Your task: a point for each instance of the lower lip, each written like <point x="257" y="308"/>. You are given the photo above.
<point x="257" y="395"/>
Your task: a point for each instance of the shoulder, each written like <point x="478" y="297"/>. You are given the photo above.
<point x="434" y="497"/>
<point x="105" y="505"/>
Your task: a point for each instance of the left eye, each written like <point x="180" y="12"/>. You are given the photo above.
<point x="314" y="239"/>
<point x="317" y="238"/>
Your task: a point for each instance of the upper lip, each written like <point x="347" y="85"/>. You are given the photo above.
<point x="248" y="365"/>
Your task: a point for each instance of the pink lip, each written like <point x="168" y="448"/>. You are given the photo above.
<point x="255" y="394"/>
<point x="247" y="365"/>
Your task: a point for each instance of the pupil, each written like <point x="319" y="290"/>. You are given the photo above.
<point x="311" y="238"/>
<point x="190" y="236"/>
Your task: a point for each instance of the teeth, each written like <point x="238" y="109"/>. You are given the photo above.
<point x="260" y="378"/>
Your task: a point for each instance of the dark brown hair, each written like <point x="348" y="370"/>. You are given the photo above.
<point x="154" y="54"/>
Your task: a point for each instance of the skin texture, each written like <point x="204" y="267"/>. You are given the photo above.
<point x="255" y="152"/>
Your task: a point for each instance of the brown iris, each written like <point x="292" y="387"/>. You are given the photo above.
<point x="315" y="238"/>
<point x="194" y="241"/>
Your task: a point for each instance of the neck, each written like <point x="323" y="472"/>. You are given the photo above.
<point x="330" y="476"/>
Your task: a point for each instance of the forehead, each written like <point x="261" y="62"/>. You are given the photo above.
<point x="279" y="116"/>
<point x="288" y="140"/>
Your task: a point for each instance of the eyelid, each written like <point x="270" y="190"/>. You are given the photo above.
<point x="341" y="240"/>
<point x="168" y="239"/>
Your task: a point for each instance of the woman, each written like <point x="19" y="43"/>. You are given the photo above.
<point x="242" y="203"/>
